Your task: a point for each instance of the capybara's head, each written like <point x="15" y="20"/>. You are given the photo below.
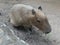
<point x="40" y="21"/>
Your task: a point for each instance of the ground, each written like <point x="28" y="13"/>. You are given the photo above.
<point x="52" y="10"/>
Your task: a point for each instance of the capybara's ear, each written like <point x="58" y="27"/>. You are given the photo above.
<point x="40" y="7"/>
<point x="33" y="12"/>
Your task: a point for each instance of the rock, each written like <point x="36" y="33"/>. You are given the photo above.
<point x="7" y="37"/>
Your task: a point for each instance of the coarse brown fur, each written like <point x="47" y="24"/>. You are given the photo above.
<point x="28" y="16"/>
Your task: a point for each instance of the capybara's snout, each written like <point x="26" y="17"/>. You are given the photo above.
<point x="48" y="30"/>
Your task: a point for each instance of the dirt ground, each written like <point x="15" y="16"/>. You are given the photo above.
<point x="50" y="7"/>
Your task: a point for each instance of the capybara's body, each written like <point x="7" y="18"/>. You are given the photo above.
<point x="27" y="16"/>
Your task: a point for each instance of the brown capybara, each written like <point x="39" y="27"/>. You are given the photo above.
<point x="28" y="16"/>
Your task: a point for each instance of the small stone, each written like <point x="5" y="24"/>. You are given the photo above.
<point x="0" y="13"/>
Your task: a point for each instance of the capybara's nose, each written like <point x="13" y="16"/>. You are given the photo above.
<point x="48" y="31"/>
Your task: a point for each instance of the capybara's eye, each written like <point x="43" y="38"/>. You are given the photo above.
<point x="38" y="21"/>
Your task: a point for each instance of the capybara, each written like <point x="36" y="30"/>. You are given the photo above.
<point x="28" y="16"/>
